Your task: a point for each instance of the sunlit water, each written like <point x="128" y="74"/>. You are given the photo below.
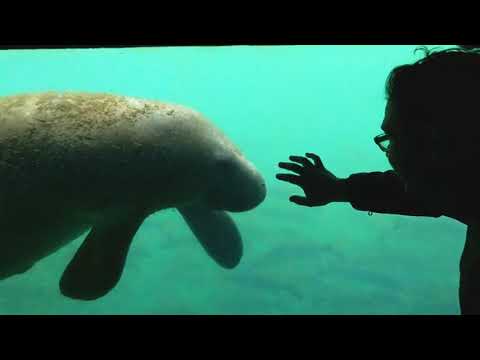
<point x="272" y="102"/>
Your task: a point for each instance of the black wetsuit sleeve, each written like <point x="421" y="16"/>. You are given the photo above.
<point x="383" y="192"/>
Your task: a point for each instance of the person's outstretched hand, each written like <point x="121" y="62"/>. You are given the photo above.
<point x="319" y="185"/>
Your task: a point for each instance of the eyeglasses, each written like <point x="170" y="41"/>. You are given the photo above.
<point x="383" y="141"/>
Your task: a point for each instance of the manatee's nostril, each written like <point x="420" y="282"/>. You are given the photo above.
<point x="263" y="191"/>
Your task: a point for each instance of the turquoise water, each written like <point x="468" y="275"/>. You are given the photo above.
<point x="272" y="102"/>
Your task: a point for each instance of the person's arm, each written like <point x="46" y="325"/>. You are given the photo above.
<point x="383" y="192"/>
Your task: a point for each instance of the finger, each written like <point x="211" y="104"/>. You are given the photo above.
<point x="292" y="167"/>
<point x="300" y="200"/>
<point x="300" y="159"/>
<point x="316" y="159"/>
<point x="293" y="179"/>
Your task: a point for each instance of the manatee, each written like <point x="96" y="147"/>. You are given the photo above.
<point x="74" y="162"/>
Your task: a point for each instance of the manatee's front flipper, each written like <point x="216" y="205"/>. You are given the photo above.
<point x="98" y="264"/>
<point x="217" y="233"/>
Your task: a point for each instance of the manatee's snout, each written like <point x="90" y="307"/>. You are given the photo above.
<point x="238" y="186"/>
<point x="251" y="194"/>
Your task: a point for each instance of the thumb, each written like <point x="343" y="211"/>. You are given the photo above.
<point x="300" y="200"/>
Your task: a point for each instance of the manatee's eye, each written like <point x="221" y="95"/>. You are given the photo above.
<point x="223" y="162"/>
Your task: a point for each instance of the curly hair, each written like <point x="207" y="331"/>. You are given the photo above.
<point x="442" y="89"/>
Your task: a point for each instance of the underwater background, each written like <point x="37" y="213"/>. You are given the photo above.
<point x="272" y="101"/>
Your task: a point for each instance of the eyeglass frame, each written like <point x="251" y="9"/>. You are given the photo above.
<point x="380" y="138"/>
<point x="383" y="136"/>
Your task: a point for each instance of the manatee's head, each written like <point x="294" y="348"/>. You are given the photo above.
<point x="234" y="183"/>
<point x="224" y="179"/>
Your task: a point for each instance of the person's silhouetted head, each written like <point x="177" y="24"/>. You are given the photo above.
<point x="440" y="90"/>
<point x="432" y="115"/>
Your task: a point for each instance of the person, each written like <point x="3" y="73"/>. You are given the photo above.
<point x="431" y="141"/>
